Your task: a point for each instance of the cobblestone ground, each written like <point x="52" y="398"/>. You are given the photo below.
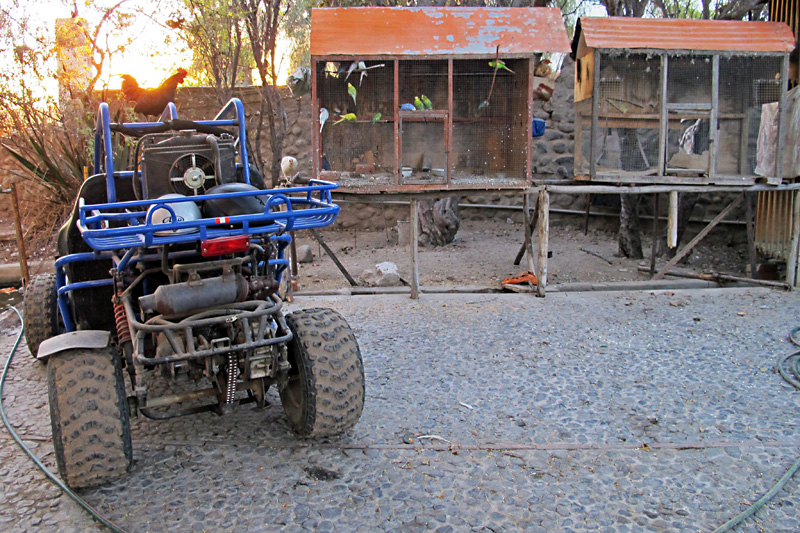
<point x="616" y="411"/>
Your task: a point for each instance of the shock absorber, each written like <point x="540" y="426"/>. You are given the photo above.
<point x="121" y="319"/>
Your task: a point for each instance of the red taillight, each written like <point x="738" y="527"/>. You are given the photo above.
<point x="224" y="246"/>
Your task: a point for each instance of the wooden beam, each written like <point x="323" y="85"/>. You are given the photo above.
<point x="414" y="248"/>
<point x="544" y="237"/>
<point x="688" y="248"/>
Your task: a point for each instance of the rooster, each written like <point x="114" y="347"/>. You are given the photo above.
<point x="152" y="101"/>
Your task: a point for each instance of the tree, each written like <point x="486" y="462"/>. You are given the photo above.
<point x="262" y="21"/>
<point x="214" y="32"/>
<point x="47" y="132"/>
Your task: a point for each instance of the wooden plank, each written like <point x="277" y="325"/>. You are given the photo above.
<point x="688" y="248"/>
<point x="544" y="237"/>
<point x="414" y="248"/>
<point x="791" y="260"/>
<point x="318" y="237"/>
<point x="655" y="235"/>
<point x="672" y="220"/>
<point x="713" y="133"/>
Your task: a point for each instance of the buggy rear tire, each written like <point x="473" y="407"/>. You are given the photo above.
<point x="325" y="393"/>
<point x="89" y="416"/>
<point x="41" y="311"/>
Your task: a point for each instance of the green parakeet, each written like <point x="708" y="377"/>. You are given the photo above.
<point x="351" y="91"/>
<point x="418" y="103"/>
<point x="376" y="117"/>
<point x="499" y="63"/>
<point x="427" y="102"/>
<point x="350" y="117"/>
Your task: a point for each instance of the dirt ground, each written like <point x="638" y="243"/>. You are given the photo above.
<point x="482" y="254"/>
<point x="484" y="251"/>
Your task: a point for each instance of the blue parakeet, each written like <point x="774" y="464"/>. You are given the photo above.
<point x="323" y="117"/>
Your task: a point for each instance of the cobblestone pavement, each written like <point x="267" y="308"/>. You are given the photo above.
<point x="615" y="411"/>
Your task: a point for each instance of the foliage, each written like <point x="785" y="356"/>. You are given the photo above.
<point x="213" y="30"/>
<point x="47" y="137"/>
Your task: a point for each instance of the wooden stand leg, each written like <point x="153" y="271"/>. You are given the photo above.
<point x="544" y="237"/>
<point x="529" y="223"/>
<point x="654" y="245"/>
<point x="791" y="262"/>
<point x="414" y="249"/>
<point x="751" y="235"/>
<point x="335" y="259"/>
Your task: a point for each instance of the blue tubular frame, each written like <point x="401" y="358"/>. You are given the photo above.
<point x="125" y="229"/>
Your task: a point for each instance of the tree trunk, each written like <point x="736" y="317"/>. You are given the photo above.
<point x="630" y="241"/>
<point x="438" y="220"/>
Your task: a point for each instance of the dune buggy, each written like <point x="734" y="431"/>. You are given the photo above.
<point x="171" y="270"/>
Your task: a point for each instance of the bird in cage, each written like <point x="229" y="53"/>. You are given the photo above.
<point x="363" y="68"/>
<point x="352" y="92"/>
<point x="353" y="66"/>
<point x="376" y="117"/>
<point x="418" y="103"/>
<point x="427" y="102"/>
<point x="349" y="117"/>
<point x="323" y="117"/>
<point x="499" y="64"/>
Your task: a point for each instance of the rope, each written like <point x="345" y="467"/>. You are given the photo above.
<point x="55" y="480"/>
<point x="793" y="378"/>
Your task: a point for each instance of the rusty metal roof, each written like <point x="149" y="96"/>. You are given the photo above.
<point x="436" y="31"/>
<point x="683" y="34"/>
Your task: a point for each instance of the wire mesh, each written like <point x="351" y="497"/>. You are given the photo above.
<point x="358" y="136"/>
<point x="490" y="112"/>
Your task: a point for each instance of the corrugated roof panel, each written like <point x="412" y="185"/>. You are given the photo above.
<point x="686" y="34"/>
<point x="371" y="31"/>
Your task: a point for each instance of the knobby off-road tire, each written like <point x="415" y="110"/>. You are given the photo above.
<point x="325" y="394"/>
<point x="89" y="416"/>
<point x="41" y="311"/>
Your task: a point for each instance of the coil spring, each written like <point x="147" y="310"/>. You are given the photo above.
<point x="121" y="319"/>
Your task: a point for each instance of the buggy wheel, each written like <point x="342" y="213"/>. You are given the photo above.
<point x="325" y="393"/>
<point x="89" y="416"/>
<point x="41" y="311"/>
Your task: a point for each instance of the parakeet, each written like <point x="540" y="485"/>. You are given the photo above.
<point x="363" y="68"/>
<point x="407" y="107"/>
<point x="351" y="91"/>
<point x="350" y="117"/>
<point x="353" y="66"/>
<point x="323" y="117"/>
<point x="375" y="118"/>
<point x="418" y="103"/>
<point x="427" y="102"/>
<point x="499" y="63"/>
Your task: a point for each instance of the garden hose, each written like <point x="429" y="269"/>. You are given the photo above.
<point x="52" y="477"/>
<point x="791" y="360"/>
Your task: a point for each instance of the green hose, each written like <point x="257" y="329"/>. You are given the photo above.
<point x="793" y="379"/>
<point x="80" y="501"/>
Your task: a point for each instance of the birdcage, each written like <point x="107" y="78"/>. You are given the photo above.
<point x="427" y="98"/>
<point x="678" y="101"/>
